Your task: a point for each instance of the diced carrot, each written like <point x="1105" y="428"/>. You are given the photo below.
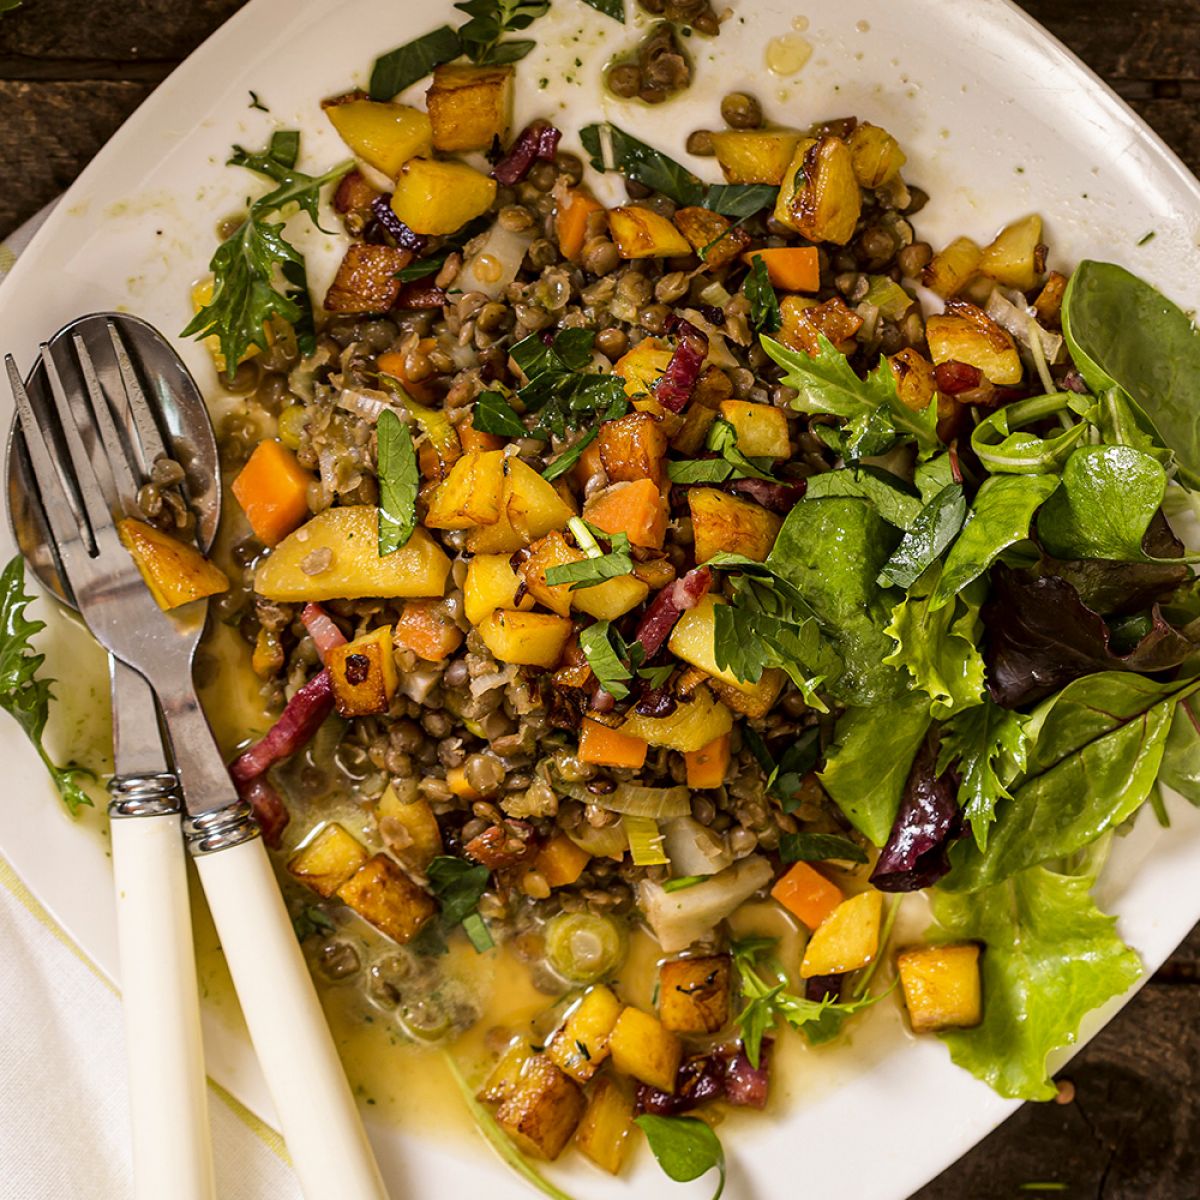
<point x="560" y="861"/>
<point x="571" y="219"/>
<point x="272" y="489"/>
<point x="609" y="747"/>
<point x="426" y="630"/>
<point x="807" y="894"/>
<point x="475" y="439"/>
<point x="793" y="268"/>
<point x="635" y="508"/>
<point x="589" y="464"/>
<point x="706" y="767"/>
<point x="396" y="365"/>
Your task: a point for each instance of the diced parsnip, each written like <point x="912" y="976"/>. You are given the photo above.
<point x="820" y="197"/>
<point x="605" y="747"/>
<point x="762" y="429"/>
<point x="708" y="766"/>
<point x="366" y="281"/>
<point x="547" y="552"/>
<point x="915" y="381"/>
<point x="804" y="319"/>
<point x="469" y="106"/>
<point x="633" y="447"/>
<point x="603" y="1134"/>
<point x="327" y="859"/>
<point x="714" y="237"/>
<point x="967" y="334"/>
<point x="381" y="893"/>
<point x="807" y="894"/>
<point x="471" y="494"/>
<point x="530" y="639"/>
<point x="693" y="724"/>
<point x="411" y="829"/>
<point x="440" y="197"/>
<point x="876" y="155"/>
<point x="581" y="1043"/>
<point x="491" y="583"/>
<point x="202" y="296"/>
<point x="363" y="674"/>
<point x="847" y="939"/>
<point x="941" y="986"/>
<point x="636" y="509"/>
<point x="641" y="1047"/>
<point x="572" y="210"/>
<point x="949" y="271"/>
<point x="428" y="630"/>
<point x="642" y="233"/>
<point x="643" y="366"/>
<point x="561" y="862"/>
<point x="542" y="1110"/>
<point x="384" y="136"/>
<point x="680" y="918"/>
<point x="752" y="700"/>
<point x="791" y="268"/>
<point x="755" y="155"/>
<point x="693" y="993"/>
<point x="502" y="1082"/>
<point x="721" y="522"/>
<point x="356" y="569"/>
<point x="1012" y="259"/>
<point x="530" y="508"/>
<point x="175" y="572"/>
<point x="272" y="489"/>
<point x="610" y="599"/>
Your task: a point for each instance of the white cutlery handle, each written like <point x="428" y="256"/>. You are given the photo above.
<point x="317" y="1114"/>
<point x="172" y="1154"/>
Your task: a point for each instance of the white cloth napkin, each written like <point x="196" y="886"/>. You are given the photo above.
<point x="64" y="1123"/>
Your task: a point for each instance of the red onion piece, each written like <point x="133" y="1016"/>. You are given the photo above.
<point x="778" y="497"/>
<point x="668" y="606"/>
<point x="537" y="141"/>
<point x="325" y="634"/>
<point x="300" y="719"/>
<point x="678" y="381"/>
<point x="955" y="377"/>
<point x="748" y="1086"/>
<point x="417" y="294"/>
<point x="269" y="809"/>
<point x="406" y="239"/>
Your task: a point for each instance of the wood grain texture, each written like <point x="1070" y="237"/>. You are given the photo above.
<point x="1130" y="1133"/>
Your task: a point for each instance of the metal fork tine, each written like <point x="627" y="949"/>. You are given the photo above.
<point x="124" y="472"/>
<point x="152" y="445"/>
<point x="99" y="514"/>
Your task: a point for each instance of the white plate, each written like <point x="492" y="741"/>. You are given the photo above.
<point x="997" y="120"/>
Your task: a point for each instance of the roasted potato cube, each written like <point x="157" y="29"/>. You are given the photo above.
<point x="847" y="939"/>
<point x="175" y="572"/>
<point x="1049" y="301"/>
<point x="915" y="381"/>
<point x="354" y="194"/>
<point x="603" y="1134"/>
<point x="941" y="986"/>
<point x="1012" y="259"/>
<point x="967" y="334"/>
<point x="542" y="1110"/>
<point x="752" y="700"/>
<point x="714" y="237"/>
<point x="440" y="197"/>
<point x="471" y="494"/>
<point x="610" y="599"/>
<point x="327" y="859"/>
<point x="530" y="508"/>
<point x="531" y="639"/>
<point x="633" y="447"/>
<point x="724" y="522"/>
<point x="409" y="829"/>
<point x="642" y="233"/>
<point x="804" y="319"/>
<point x="427" y="629"/>
<point x="469" y="106"/>
<point x="643" y="366"/>
<point x="356" y="568"/>
<point x="363" y="674"/>
<point x="491" y="583"/>
<point x="384" y="136"/>
<point x="641" y="1047"/>
<point x="381" y="893"/>
<point x="693" y="994"/>
<point x="502" y="1082"/>
<point x="693" y="724"/>
<point x="581" y="1043"/>
<point x="547" y="552"/>
<point x="762" y="429"/>
<point x="949" y="271"/>
<point x="820" y="198"/>
<point x="755" y="155"/>
<point x="876" y="155"/>
<point x="366" y="280"/>
<point x="692" y="641"/>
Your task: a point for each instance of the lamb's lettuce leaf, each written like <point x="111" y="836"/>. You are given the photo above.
<point x="1181" y="757"/>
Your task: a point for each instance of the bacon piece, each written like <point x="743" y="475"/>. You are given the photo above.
<point x="747" y="1086"/>
<point x="269" y="809"/>
<point x="325" y="634"/>
<point x="700" y="1079"/>
<point x="954" y="377"/>
<point x="419" y="294"/>
<point x="300" y="719"/>
<point x="778" y="497"/>
<point x="406" y="239"/>
<point x="668" y="606"/>
<point x="678" y="381"/>
<point x="537" y="141"/>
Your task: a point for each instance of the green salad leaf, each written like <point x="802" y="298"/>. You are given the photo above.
<point x="1181" y="756"/>
<point x="399" y="481"/>
<point x="1004" y="449"/>
<point x="1050" y="956"/>
<point x="892" y="499"/>
<point x="935" y="527"/>
<point x="402" y="67"/>
<point x="685" y="1148"/>
<point x="699" y="470"/>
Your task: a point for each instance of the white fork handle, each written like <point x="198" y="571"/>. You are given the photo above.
<point x="317" y="1114"/>
<point x="172" y="1154"/>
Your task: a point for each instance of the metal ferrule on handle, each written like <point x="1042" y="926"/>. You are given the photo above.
<point x="152" y="795"/>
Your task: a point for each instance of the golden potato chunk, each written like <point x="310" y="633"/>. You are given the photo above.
<point x="502" y="1082"/>
<point x="603" y="1134"/>
<point x="847" y="939"/>
<point x="633" y="447"/>
<point x="581" y="1044"/>
<point x="876" y="155"/>
<point x="693" y="993"/>
<point x="762" y="429"/>
<point x="327" y="859"/>
<point x="440" y="197"/>
<point x="820" y="197"/>
<point x="714" y="237"/>
<point x="692" y="724"/>
<point x="366" y="280"/>
<point x="491" y="583"/>
<point x="941" y="986"/>
<point x="755" y="155"/>
<point x="642" y="233"/>
<point x="752" y="700"/>
<point x="175" y="572"/>
<point x="530" y="508"/>
<point x="363" y="674"/>
<point x="915" y="380"/>
<point x="612" y="598"/>
<point x="409" y="828"/>
<point x="543" y="1109"/>
<point x="1012" y="260"/>
<point x="724" y="522"/>
<point x="381" y="893"/>
<point x="966" y="334"/>
<point x="949" y="271"/>
<point x="640" y="1046"/>
<point x="469" y="106"/>
<point x="643" y="366"/>
<point x="471" y="494"/>
<point x="385" y="136"/>
<point x="547" y="552"/>
<point x="530" y="639"/>
<point x="804" y="319"/>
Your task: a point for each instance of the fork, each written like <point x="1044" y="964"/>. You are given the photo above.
<point x="81" y="497"/>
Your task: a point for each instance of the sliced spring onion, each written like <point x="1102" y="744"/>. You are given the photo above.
<point x="684" y="881"/>
<point x="645" y="842"/>
<point x="476" y="929"/>
<point x="634" y="800"/>
<point x="584" y="947"/>
<point x="607" y="842"/>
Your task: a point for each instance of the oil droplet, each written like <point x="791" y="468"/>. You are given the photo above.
<point x="788" y="53"/>
<point x="863" y="26"/>
<point x="800" y="24"/>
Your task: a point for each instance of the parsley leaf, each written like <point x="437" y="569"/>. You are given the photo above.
<point x="399" y="480"/>
<point x="481" y="37"/>
<point x="494" y="414"/>
<point x="24" y="696"/>
<point x="722" y="438"/>
<point x="818" y="847"/>
<point x="612" y="148"/>
<point x="595" y="568"/>
<point x="605" y="659"/>
<point x="764" y="305"/>
<point x="785" y="778"/>
<point x="458" y="885"/>
<point x="400" y="68"/>
<point x="699" y="470"/>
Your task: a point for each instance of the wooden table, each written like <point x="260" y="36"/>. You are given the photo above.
<point x="67" y="81"/>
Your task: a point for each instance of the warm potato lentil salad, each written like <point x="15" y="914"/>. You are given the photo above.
<point x="618" y="565"/>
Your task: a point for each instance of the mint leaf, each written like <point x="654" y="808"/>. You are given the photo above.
<point x="605" y="659"/>
<point x="612" y="149"/>
<point x="494" y="414"/>
<point x="699" y="470"/>
<point x="402" y="67"/>
<point x="740" y="200"/>
<point x="764" y="305"/>
<point x="399" y="480"/>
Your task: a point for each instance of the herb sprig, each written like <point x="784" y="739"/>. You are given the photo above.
<point x="399" y="481"/>
<point x="458" y="885"/>
<point x="597" y="566"/>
